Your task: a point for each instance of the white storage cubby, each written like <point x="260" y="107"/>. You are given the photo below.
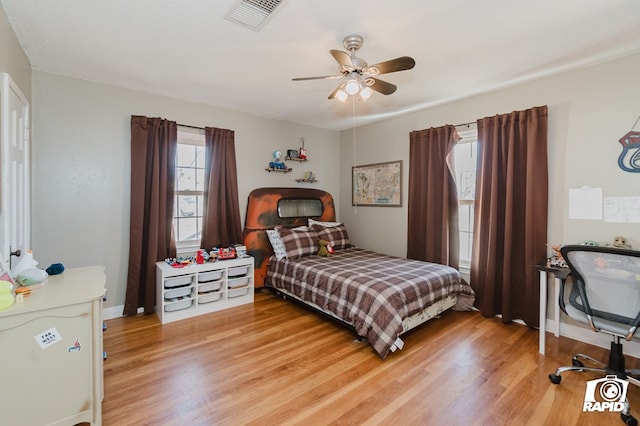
<point x="200" y="289"/>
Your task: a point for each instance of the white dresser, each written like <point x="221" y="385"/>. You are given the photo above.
<point x="51" y="352"/>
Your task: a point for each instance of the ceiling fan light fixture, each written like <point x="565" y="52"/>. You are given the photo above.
<point x="352" y="87"/>
<point x="342" y="96"/>
<point x="366" y="93"/>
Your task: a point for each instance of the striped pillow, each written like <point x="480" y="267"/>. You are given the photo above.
<point x="336" y="235"/>
<point x="299" y="242"/>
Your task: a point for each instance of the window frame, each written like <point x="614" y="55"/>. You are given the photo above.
<point x="299" y="207"/>
<point x="192" y="137"/>
<point x="468" y="135"/>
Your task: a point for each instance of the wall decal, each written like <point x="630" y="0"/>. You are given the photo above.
<point x="629" y="159"/>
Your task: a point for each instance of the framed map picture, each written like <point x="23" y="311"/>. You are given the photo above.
<point x="377" y="184"/>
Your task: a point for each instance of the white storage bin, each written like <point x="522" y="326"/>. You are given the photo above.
<point x="178" y="305"/>
<point x="177" y="292"/>
<point x="212" y="286"/>
<point x="209" y="297"/>
<point x="205" y="277"/>
<point x="177" y="281"/>
<point x="238" y="292"/>
<point x="238" y="282"/>
<point x="238" y="271"/>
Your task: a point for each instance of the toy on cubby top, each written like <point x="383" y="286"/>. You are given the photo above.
<point x="203" y="256"/>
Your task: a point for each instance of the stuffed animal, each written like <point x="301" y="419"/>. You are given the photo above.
<point x="324" y="252"/>
<point x="556" y="260"/>
<point x="621" y="242"/>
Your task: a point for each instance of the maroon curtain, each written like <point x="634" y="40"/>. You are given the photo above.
<point x="510" y="227"/>
<point x="432" y="233"/>
<point x="221" y="224"/>
<point x="153" y="155"/>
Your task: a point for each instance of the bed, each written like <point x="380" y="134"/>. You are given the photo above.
<point x="379" y="296"/>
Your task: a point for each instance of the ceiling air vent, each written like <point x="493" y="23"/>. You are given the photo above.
<point x="253" y="14"/>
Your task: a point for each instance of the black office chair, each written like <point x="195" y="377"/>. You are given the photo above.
<point x="603" y="291"/>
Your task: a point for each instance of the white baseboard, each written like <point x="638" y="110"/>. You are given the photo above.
<point x="115" y="312"/>
<point x="586" y="335"/>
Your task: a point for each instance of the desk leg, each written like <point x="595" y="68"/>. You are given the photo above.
<point x="556" y="304"/>
<point x="543" y="310"/>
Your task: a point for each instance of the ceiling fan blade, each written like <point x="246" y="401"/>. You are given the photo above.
<point x="323" y="77"/>
<point x="381" y="86"/>
<point x="343" y="59"/>
<point x="398" y="64"/>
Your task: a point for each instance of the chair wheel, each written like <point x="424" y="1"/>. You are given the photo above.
<point x="629" y="420"/>
<point x="555" y="379"/>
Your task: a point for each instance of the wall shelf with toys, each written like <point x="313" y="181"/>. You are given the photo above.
<point x="287" y="170"/>
<point x="277" y="165"/>
<point x="299" y="155"/>
<point x="309" y="177"/>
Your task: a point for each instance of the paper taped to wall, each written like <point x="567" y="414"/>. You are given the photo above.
<point x="622" y="209"/>
<point x="585" y="203"/>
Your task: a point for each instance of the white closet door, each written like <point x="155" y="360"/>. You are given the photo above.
<point x="15" y="201"/>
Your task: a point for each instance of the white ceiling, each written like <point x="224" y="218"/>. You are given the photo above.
<point x="187" y="50"/>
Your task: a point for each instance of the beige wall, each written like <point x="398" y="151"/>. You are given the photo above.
<point x="12" y="58"/>
<point x="81" y="166"/>
<point x="81" y="158"/>
<point x="589" y="110"/>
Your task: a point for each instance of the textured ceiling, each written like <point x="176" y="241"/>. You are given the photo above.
<point x="187" y="50"/>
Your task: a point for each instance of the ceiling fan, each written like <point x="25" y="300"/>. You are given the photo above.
<point x="361" y="76"/>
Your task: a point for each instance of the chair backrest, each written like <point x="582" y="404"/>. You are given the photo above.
<point x="606" y="283"/>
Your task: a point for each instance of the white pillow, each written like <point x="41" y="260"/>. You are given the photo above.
<point x="326" y="224"/>
<point x="276" y="242"/>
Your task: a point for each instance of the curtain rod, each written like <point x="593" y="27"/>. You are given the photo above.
<point x="466" y="124"/>
<point x="191" y="127"/>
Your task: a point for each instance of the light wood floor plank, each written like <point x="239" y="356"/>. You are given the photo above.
<point x="276" y="363"/>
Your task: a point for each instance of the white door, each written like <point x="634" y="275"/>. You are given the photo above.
<point x="15" y="201"/>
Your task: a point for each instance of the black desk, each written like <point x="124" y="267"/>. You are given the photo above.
<point x="559" y="274"/>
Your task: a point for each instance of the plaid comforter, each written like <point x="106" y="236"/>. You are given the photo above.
<point x="371" y="291"/>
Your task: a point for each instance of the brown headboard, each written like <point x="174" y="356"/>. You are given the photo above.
<point x="262" y="214"/>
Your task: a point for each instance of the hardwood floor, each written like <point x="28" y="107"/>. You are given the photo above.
<point x="275" y="362"/>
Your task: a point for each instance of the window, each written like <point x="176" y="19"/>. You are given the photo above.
<point x="189" y="191"/>
<point x="299" y="208"/>
<point x="465" y="163"/>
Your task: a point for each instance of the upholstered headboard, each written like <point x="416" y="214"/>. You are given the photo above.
<point x="265" y="211"/>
